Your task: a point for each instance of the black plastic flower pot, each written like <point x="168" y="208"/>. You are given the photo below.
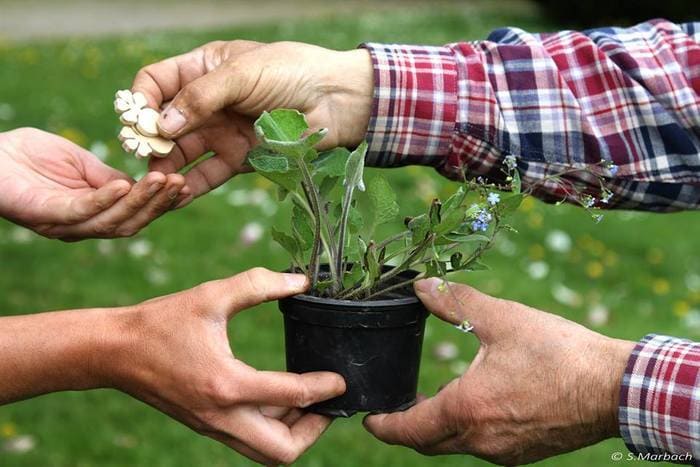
<point x="375" y="345"/>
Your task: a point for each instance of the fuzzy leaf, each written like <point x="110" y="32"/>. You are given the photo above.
<point x="276" y="168"/>
<point x="331" y="163"/>
<point x="383" y="200"/>
<point x="455" y="201"/>
<point x="434" y="213"/>
<point x="354" y="167"/>
<point x="281" y="131"/>
<point x="302" y="226"/>
<point x="287" y="242"/>
<point x="353" y="276"/>
<point x="450" y="222"/>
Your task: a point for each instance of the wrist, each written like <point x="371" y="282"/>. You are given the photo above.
<point x="611" y="364"/>
<point x="350" y="81"/>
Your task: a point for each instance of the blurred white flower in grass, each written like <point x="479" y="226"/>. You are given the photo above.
<point x="459" y="367"/>
<point x="506" y="247"/>
<point x="100" y="149"/>
<point x="21" y="235"/>
<point x="105" y="247"/>
<point x="445" y="351"/>
<point x="538" y="270"/>
<point x="256" y="197"/>
<point x="140" y="248"/>
<point x="558" y="241"/>
<point x="692" y="281"/>
<point x="19" y="444"/>
<point x="565" y="295"/>
<point x="692" y="320"/>
<point x="598" y="315"/>
<point x="7" y="112"/>
<point x="157" y="276"/>
<point x="251" y="233"/>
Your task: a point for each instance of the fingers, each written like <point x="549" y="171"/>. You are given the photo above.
<point x="273" y="440"/>
<point x="147" y="200"/>
<point x="71" y="211"/>
<point x="288" y="389"/>
<point x="420" y="427"/>
<point x="456" y="303"/>
<point x="249" y="288"/>
<point x="200" y="99"/>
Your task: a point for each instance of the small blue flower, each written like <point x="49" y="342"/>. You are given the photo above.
<point x="613" y="169"/>
<point x="588" y="201"/>
<point x="493" y="198"/>
<point x="479" y="226"/>
<point x="510" y="162"/>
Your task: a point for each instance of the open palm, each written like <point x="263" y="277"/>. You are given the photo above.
<point x="60" y="190"/>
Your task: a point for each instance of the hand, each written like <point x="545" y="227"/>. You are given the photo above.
<point x="213" y="94"/>
<point x="176" y="357"/>
<point x="540" y="385"/>
<point x="60" y="190"/>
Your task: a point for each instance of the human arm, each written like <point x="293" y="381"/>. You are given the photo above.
<point x="173" y="353"/>
<point x="60" y="190"/>
<point x="539" y="385"/>
<point x="555" y="101"/>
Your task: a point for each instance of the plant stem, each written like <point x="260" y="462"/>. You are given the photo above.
<point x="324" y="238"/>
<point x="396" y="286"/>
<point x="312" y="194"/>
<point x="339" y="266"/>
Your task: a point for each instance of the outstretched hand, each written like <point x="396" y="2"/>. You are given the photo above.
<point x="178" y="359"/>
<point x="539" y="386"/>
<point x="60" y="190"/>
<point x="212" y="95"/>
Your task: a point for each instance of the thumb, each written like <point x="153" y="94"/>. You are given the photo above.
<point x="457" y="303"/>
<point x="289" y="389"/>
<point x="199" y="99"/>
<point x="247" y="289"/>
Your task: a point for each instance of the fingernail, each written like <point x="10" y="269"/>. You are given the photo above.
<point x="171" y="120"/>
<point x="173" y="192"/>
<point x="155" y="188"/>
<point x="296" y="281"/>
<point x="428" y="286"/>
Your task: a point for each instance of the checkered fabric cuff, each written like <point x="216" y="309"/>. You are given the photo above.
<point x="415" y="104"/>
<point x="660" y="398"/>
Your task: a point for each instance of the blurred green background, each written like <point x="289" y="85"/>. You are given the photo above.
<point x="632" y="274"/>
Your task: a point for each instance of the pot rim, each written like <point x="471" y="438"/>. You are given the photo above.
<point x="389" y="302"/>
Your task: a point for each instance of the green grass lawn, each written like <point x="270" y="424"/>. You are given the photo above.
<point x="629" y="275"/>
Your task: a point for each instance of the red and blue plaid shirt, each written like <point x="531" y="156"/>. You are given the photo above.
<point x="556" y="101"/>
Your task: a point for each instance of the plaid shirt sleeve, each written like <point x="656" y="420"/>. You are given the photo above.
<point x="659" y="409"/>
<point x="554" y="101"/>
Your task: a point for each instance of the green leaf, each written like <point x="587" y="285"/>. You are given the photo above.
<point x="510" y="203"/>
<point x="354" y="167"/>
<point x="281" y="131"/>
<point x="371" y="264"/>
<point x="516" y="183"/>
<point x="283" y="125"/>
<point x="419" y="227"/>
<point x="476" y="266"/>
<point x="353" y="276"/>
<point x="383" y="200"/>
<point x="450" y="222"/>
<point x="435" y="269"/>
<point x="287" y="242"/>
<point x="326" y="186"/>
<point x="455" y="201"/>
<point x="466" y="238"/>
<point x="302" y="226"/>
<point x="276" y="168"/>
<point x="434" y="213"/>
<point x="331" y="163"/>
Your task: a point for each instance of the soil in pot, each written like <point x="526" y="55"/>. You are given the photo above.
<point x="375" y="345"/>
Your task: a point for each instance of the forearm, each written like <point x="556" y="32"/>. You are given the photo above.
<point x="555" y="101"/>
<point x="55" y="351"/>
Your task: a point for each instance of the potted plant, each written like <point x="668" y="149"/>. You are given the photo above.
<point x="361" y="318"/>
